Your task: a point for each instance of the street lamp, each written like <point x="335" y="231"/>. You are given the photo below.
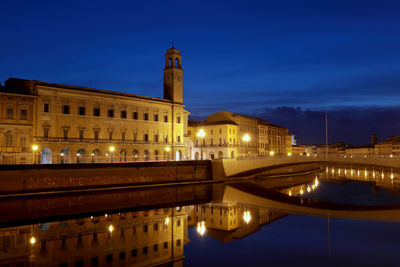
<point x="34" y="148"/>
<point x="271" y="153"/>
<point x="112" y="149"/>
<point x="201" y="134"/>
<point x="167" y="149"/>
<point x="246" y="138"/>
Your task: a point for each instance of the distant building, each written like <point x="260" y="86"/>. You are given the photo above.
<point x="232" y="135"/>
<point x="364" y="150"/>
<point x="390" y="146"/>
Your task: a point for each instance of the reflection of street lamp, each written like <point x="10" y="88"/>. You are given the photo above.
<point x="201" y="134"/>
<point x="247" y="216"/>
<point x="112" y="149"/>
<point x="167" y="149"/>
<point x="246" y="138"/>
<point x="201" y="228"/>
<point x="34" y="148"/>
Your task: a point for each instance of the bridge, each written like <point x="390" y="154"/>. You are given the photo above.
<point x="223" y="168"/>
<point x="251" y="194"/>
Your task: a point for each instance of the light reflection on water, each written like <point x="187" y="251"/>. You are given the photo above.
<point x="235" y="231"/>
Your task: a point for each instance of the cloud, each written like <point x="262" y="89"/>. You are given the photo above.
<point x="354" y="125"/>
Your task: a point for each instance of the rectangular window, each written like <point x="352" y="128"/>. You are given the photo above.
<point x="65" y="133"/>
<point x="165" y="245"/>
<point x="24" y="114"/>
<point x="178" y="139"/>
<point x="123" y="114"/>
<point x="134" y="252"/>
<point x="96" y="134"/>
<point x="110" y="135"/>
<point x="166" y="118"/>
<point x="212" y="131"/>
<point x="96" y="112"/>
<point x="178" y="242"/>
<point x="81" y="135"/>
<point x="178" y="119"/>
<point x="145" y="228"/>
<point x="110" y="113"/>
<point x="123" y="136"/>
<point x="122" y="255"/>
<point x="146" y="116"/>
<point x="135" y="115"/>
<point x="82" y="111"/>
<point x="145" y="137"/>
<point x="156" y="138"/>
<point x="134" y="136"/>
<point x="22" y="142"/>
<point x="155" y="227"/>
<point x="155" y="117"/>
<point x="166" y="138"/>
<point x="65" y="109"/>
<point x="46" y="132"/>
<point x="10" y="113"/>
<point x="155" y="247"/>
<point x="145" y="250"/>
<point x="212" y="142"/>
<point x="46" y="107"/>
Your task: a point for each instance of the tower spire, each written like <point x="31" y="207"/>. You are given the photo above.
<point x="173" y="44"/>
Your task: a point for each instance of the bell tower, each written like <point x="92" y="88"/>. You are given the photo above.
<point x="173" y="86"/>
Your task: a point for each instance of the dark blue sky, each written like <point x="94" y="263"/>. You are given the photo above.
<point x="243" y="56"/>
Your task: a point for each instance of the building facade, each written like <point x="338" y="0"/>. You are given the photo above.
<point x="219" y="140"/>
<point x="234" y="135"/>
<point x="71" y="124"/>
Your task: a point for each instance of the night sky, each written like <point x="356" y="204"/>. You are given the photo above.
<point x="290" y="62"/>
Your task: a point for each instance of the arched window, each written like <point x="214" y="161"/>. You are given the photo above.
<point x="8" y="139"/>
<point x="177" y="63"/>
<point x="170" y="62"/>
<point x="135" y="155"/>
<point x="146" y="155"/>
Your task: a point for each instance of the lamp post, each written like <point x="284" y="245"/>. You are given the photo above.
<point x="246" y="138"/>
<point x="34" y="148"/>
<point x="111" y="149"/>
<point x="167" y="149"/>
<point x="201" y="134"/>
<point x="92" y="157"/>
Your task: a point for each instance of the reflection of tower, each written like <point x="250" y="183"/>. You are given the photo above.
<point x="374" y="139"/>
<point x="173" y="86"/>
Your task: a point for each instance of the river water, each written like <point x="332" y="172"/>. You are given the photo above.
<point x="342" y="216"/>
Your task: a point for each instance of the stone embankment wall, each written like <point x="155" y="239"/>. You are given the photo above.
<point x="33" y="178"/>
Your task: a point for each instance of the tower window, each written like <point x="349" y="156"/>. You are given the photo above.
<point x="111" y="113"/>
<point x="135" y="115"/>
<point x="166" y="118"/>
<point x="170" y="62"/>
<point x="123" y="114"/>
<point x="146" y="116"/>
<point x="178" y="119"/>
<point x="177" y="63"/>
<point x="155" y="117"/>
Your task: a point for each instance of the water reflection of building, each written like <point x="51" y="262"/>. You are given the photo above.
<point x="145" y="238"/>
<point x="230" y="221"/>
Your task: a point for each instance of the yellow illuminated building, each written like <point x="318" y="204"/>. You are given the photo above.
<point x="240" y="135"/>
<point x="216" y="140"/>
<point x="71" y="124"/>
<point x="16" y="124"/>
